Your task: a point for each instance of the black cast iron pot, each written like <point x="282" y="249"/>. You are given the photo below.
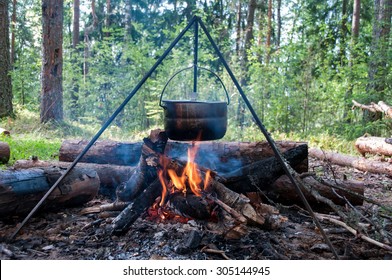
<point x="191" y="120"/>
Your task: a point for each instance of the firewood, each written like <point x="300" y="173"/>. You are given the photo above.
<point x="4" y="152"/>
<point x="373" y="145"/>
<point x="145" y="172"/>
<point x="137" y="207"/>
<point x="20" y="190"/>
<point x="260" y="175"/>
<point x="102" y="152"/>
<point x="362" y="164"/>
<point x="283" y="191"/>
<point x="111" y="176"/>
<point x="219" y="156"/>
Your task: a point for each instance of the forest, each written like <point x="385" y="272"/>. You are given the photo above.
<point x="300" y="62"/>
<point x="315" y="75"/>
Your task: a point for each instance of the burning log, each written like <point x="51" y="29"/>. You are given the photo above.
<point x="352" y="161"/>
<point x="215" y="155"/>
<point x="138" y="206"/>
<point x="4" y="152"/>
<point x="283" y="191"/>
<point x="145" y="172"/>
<point x="20" y="190"/>
<point x="373" y="145"/>
<point x="111" y="176"/>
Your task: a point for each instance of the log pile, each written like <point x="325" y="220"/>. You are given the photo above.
<point x="236" y="170"/>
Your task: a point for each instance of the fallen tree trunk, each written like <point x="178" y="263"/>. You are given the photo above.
<point x="381" y="107"/>
<point x="4" y="152"/>
<point x="373" y="145"/>
<point x="102" y="152"/>
<point x="352" y="161"/>
<point x="111" y="176"/>
<point x="20" y="190"/>
<point x="215" y="155"/>
<point x="283" y="191"/>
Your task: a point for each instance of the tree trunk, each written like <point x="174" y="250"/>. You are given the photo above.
<point x="87" y="31"/>
<point x="269" y="33"/>
<point x="128" y="20"/>
<point x="13" y="28"/>
<point x="5" y="79"/>
<point x="21" y="190"/>
<point x="279" y="22"/>
<point x="111" y="176"/>
<point x="4" y="152"/>
<point x="52" y="61"/>
<point x="75" y="42"/>
<point x="343" y="34"/>
<point x="238" y="28"/>
<point x="351" y="161"/>
<point x="354" y="53"/>
<point x="379" y="64"/>
<point x="373" y="145"/>
<point x="76" y="24"/>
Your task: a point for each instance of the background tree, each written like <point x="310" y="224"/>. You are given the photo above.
<point x="6" y="108"/>
<point x="52" y="61"/>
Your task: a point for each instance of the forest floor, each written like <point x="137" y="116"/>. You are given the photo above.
<point x="70" y="235"/>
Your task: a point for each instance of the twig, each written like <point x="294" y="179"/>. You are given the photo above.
<point x="355" y="232"/>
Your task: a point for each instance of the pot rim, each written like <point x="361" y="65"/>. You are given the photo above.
<point x="193" y="102"/>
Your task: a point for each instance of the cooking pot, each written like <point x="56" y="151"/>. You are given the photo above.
<point x="192" y="120"/>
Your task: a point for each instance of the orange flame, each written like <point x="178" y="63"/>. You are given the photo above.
<point x="190" y="177"/>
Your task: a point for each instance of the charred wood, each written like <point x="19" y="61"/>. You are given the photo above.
<point x="283" y="191"/>
<point x="261" y="174"/>
<point x="137" y="207"/>
<point x="146" y="170"/>
<point x="20" y="190"/>
<point x="111" y="176"/>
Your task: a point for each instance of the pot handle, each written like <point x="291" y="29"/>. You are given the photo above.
<point x="191" y="67"/>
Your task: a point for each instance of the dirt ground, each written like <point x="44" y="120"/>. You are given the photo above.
<point x="70" y="235"/>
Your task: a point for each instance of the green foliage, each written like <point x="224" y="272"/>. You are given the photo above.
<point x="305" y="87"/>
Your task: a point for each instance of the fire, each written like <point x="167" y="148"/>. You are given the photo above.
<point x="189" y="180"/>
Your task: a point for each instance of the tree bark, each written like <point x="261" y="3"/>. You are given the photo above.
<point x="238" y="28"/>
<point x="352" y="161"/>
<point x="378" y="64"/>
<point x="13" y="29"/>
<point x="76" y="24"/>
<point x="380" y="107"/>
<point x="269" y="33"/>
<point x="283" y="191"/>
<point x="52" y="61"/>
<point x="6" y="108"/>
<point x="261" y="174"/>
<point x="215" y="155"/>
<point x="20" y="190"/>
<point x="373" y="145"/>
<point x="111" y="176"/>
<point x="4" y="152"/>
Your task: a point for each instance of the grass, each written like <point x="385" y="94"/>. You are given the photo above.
<point x="30" y="138"/>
